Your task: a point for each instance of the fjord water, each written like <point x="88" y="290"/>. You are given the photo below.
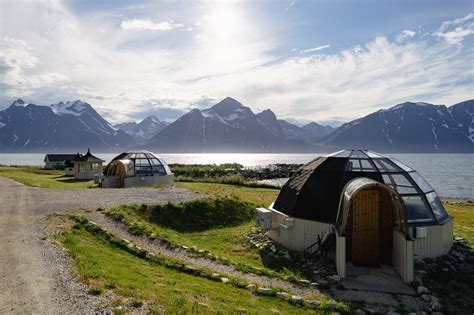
<point x="450" y="174"/>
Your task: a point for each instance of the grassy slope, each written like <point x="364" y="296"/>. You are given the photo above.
<point x="463" y="220"/>
<point x="103" y="266"/>
<point x="36" y="177"/>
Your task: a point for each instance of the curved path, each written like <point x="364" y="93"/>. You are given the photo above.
<point x="34" y="277"/>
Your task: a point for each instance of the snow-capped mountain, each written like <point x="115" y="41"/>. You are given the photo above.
<point x="71" y="125"/>
<point x="410" y="127"/>
<point x="144" y="130"/>
<point x="227" y="126"/>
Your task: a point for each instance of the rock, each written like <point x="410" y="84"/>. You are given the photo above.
<point x="419" y="261"/>
<point x="185" y="247"/>
<point x="225" y="280"/>
<point x="304" y="281"/>
<point x="215" y="275"/>
<point x="192" y="270"/>
<point x="323" y="283"/>
<point x="251" y="286"/>
<point x="287" y="257"/>
<point x="313" y="303"/>
<point x="194" y="248"/>
<point x="422" y="290"/>
<point x="316" y="272"/>
<point x="265" y="291"/>
<point x="436" y="306"/>
<point x="201" y="251"/>
<point x="290" y="278"/>
<point x="392" y="313"/>
<point x="283" y="295"/>
<point x="335" y="278"/>
<point x="359" y="312"/>
<point x="296" y="298"/>
<point x="418" y="281"/>
<point x="426" y="297"/>
<point x="314" y="284"/>
<point x="436" y="313"/>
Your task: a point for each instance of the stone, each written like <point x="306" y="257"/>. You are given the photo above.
<point x="360" y="312"/>
<point x="283" y="295"/>
<point x="215" y="275"/>
<point x="436" y="306"/>
<point x="251" y="286"/>
<point x="287" y="257"/>
<point x="436" y="313"/>
<point x="316" y="272"/>
<point x="194" y="248"/>
<point x="290" y="278"/>
<point x="304" y="281"/>
<point x="422" y="290"/>
<point x="313" y="303"/>
<point x="422" y="313"/>
<point x="185" y="247"/>
<point x="392" y="313"/>
<point x="323" y="283"/>
<point x="335" y="278"/>
<point x="225" y="280"/>
<point x="418" y="281"/>
<point x="426" y="297"/>
<point x="314" y="284"/>
<point x="201" y="251"/>
<point x="192" y="270"/>
<point x="296" y="298"/>
<point x="265" y="291"/>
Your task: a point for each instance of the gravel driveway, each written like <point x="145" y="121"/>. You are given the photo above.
<point x="34" y="277"/>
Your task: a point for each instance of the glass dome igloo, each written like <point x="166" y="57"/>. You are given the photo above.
<point x="420" y="198"/>
<point x="139" y="163"/>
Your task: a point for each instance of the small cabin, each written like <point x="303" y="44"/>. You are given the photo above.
<point x="137" y="168"/>
<point x="60" y="162"/>
<point x="375" y="210"/>
<point x="87" y="166"/>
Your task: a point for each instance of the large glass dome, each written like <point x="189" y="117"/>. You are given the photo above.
<point x="139" y="163"/>
<point x="313" y="192"/>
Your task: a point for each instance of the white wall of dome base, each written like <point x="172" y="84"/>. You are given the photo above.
<point x="437" y="240"/>
<point x="137" y="181"/>
<point x="298" y="234"/>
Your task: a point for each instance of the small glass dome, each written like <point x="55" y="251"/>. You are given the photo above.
<point x="141" y="163"/>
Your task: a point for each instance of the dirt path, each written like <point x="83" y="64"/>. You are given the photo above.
<point x="34" y="276"/>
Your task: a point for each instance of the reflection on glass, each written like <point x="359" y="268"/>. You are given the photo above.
<point x="417" y="209"/>
<point x="436" y="205"/>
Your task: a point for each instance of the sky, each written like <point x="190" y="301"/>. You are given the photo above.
<point x="328" y="61"/>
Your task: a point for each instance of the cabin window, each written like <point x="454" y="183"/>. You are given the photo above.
<point x="424" y="186"/>
<point x="417" y="210"/>
<point x="142" y="165"/>
<point x="436" y="205"/>
<point x="81" y="168"/>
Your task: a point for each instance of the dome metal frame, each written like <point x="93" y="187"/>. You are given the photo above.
<point x="145" y="163"/>
<point x="313" y="189"/>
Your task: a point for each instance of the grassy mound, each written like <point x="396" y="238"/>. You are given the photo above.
<point x="199" y="215"/>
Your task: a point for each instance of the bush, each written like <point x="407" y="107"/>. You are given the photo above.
<point x="95" y="291"/>
<point x="198" y="215"/>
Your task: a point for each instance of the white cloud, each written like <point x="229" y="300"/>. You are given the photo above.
<point x="51" y="55"/>
<point x="405" y="35"/>
<point x="456" y="30"/>
<point x="147" y="24"/>
<point x="315" y="49"/>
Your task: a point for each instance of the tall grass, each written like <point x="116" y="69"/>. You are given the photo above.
<point x="236" y="180"/>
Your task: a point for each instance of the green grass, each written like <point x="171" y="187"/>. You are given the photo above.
<point x="259" y="197"/>
<point x="37" y="177"/>
<point x="217" y="225"/>
<point x="463" y="220"/>
<point x="104" y="266"/>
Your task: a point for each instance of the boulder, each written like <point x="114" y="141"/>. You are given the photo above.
<point x="313" y="303"/>
<point x="283" y="295"/>
<point x="265" y="291"/>
<point x="296" y="299"/>
<point x="225" y="280"/>
<point x="422" y="290"/>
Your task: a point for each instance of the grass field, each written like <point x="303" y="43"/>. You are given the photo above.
<point x="463" y="220"/>
<point x="37" y="177"/>
<point x="140" y="282"/>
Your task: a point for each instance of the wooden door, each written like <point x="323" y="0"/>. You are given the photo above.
<point x="366" y="228"/>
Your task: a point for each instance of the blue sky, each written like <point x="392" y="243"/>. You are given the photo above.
<point x="306" y="60"/>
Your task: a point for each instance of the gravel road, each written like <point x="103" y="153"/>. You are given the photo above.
<point x="34" y="276"/>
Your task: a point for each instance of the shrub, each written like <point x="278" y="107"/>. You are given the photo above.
<point x="202" y="214"/>
<point x="95" y="291"/>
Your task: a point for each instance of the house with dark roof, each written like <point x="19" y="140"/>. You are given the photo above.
<point x="87" y="166"/>
<point x="362" y="208"/>
<point x="60" y="162"/>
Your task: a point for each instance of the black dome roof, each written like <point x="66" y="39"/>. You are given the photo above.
<point x="314" y="190"/>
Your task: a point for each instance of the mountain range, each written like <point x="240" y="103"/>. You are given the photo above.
<point x="229" y="126"/>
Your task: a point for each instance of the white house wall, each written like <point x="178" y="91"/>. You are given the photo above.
<point x="149" y="180"/>
<point x="438" y="241"/>
<point x="403" y="256"/>
<point x="300" y="235"/>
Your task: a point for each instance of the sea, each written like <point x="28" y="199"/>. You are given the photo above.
<point x="451" y="175"/>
